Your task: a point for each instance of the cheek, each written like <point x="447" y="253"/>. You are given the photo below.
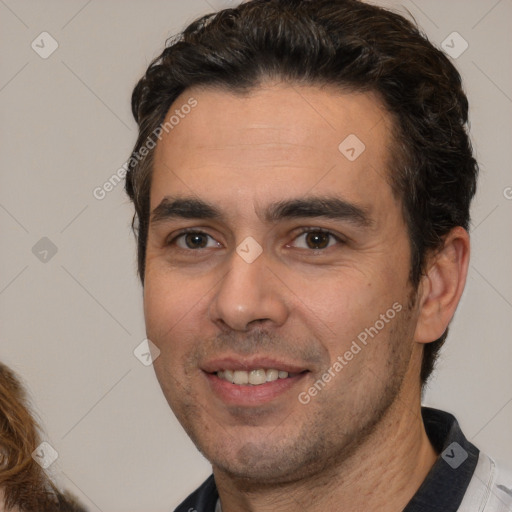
<point x="344" y="314"/>
<point x="341" y="303"/>
<point x="165" y="314"/>
<point x="176" y="313"/>
<point x="156" y="307"/>
<point x="166" y="304"/>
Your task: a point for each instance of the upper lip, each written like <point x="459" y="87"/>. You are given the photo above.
<point x="234" y="363"/>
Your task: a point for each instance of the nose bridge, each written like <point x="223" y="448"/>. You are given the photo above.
<point x="248" y="291"/>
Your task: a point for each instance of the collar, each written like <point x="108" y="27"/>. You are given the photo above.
<point x="443" y="488"/>
<point x="447" y="481"/>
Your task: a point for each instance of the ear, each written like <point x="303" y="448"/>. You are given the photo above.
<point x="442" y="286"/>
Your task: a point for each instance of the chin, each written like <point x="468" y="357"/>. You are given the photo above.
<point x="258" y="473"/>
<point x="267" y="462"/>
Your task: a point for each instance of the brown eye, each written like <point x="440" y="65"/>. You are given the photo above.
<point x="195" y="240"/>
<point x="317" y="240"/>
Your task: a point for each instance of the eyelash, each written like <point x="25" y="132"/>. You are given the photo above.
<point x="303" y="231"/>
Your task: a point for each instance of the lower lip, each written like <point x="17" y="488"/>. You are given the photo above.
<point x="248" y="395"/>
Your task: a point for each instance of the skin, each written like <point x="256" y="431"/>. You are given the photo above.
<point x="360" y="443"/>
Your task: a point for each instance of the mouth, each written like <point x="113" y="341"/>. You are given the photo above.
<point x="252" y="382"/>
<point x="254" y="377"/>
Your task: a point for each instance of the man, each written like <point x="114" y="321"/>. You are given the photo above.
<point x="302" y="181"/>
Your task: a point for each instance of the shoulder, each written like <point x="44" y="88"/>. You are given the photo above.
<point x="490" y="489"/>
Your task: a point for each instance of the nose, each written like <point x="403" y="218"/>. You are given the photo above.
<point x="249" y="294"/>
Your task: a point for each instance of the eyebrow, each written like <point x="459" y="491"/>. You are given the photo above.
<point x="183" y="208"/>
<point x="329" y="207"/>
<point x="307" y="207"/>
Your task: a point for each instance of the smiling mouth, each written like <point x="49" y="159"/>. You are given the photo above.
<point x="254" y="377"/>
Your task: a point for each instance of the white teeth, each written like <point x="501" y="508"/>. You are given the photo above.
<point x="272" y="375"/>
<point x="240" y="377"/>
<point x="254" y="377"/>
<point x="257" y="377"/>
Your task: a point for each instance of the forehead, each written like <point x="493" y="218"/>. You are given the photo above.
<point x="275" y="141"/>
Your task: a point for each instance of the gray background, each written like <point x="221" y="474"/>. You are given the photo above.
<point x="70" y="321"/>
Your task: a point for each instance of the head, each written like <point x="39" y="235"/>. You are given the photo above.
<point x="24" y="486"/>
<point x="335" y="115"/>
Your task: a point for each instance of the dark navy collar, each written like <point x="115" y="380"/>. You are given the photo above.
<point x="202" y="499"/>
<point x="446" y="483"/>
<point x="443" y="488"/>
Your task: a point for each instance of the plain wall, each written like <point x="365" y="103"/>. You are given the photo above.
<point x="69" y="325"/>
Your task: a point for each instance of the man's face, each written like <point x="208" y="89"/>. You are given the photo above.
<point x="294" y="250"/>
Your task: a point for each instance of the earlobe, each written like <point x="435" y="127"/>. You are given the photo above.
<point x="442" y="286"/>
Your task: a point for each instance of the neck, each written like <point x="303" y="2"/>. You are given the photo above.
<point x="383" y="473"/>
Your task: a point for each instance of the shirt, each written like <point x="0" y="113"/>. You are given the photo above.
<point x="462" y="479"/>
